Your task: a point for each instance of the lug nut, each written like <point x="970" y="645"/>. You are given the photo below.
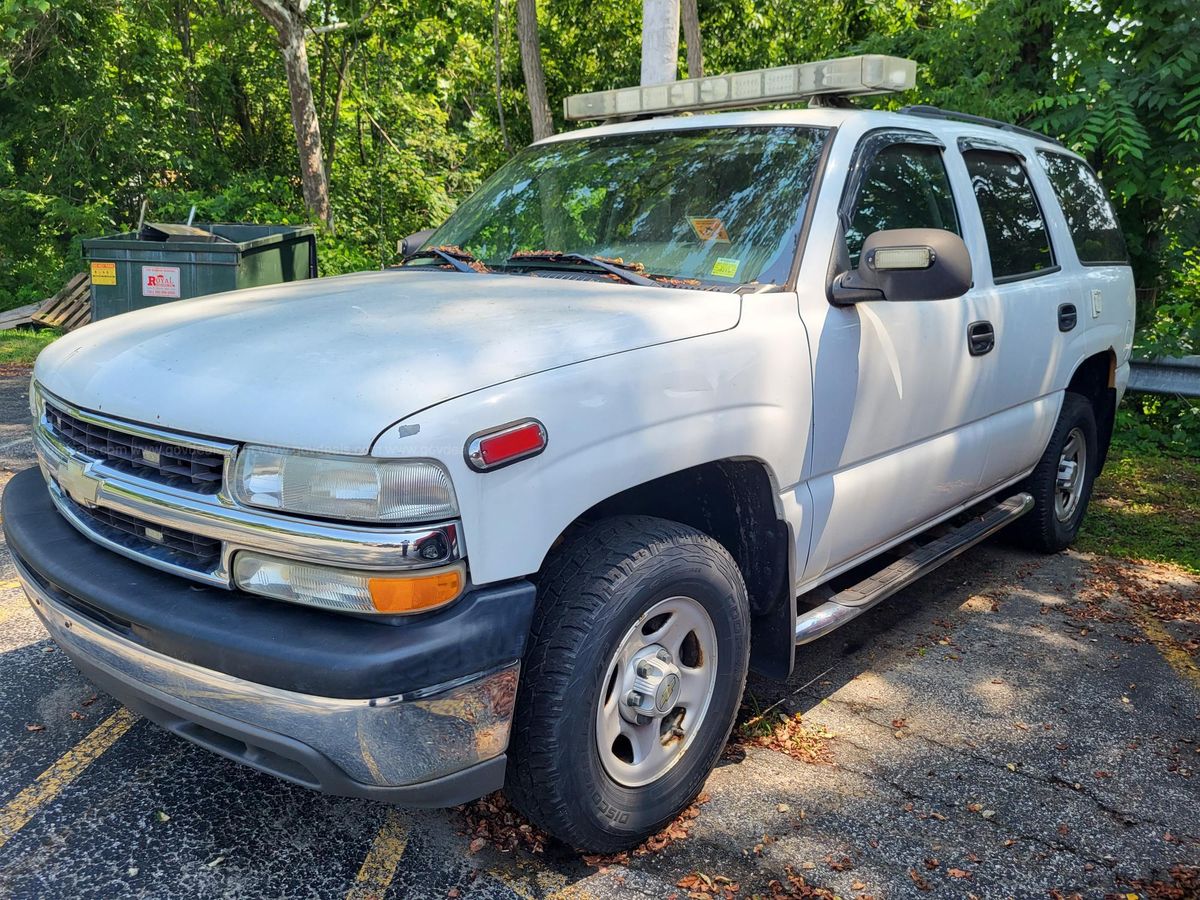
<point x="664" y="655"/>
<point x="643" y="670"/>
<point x="633" y="698"/>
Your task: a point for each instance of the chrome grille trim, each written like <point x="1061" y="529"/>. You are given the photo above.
<point x="169" y="462"/>
<point x="127" y="535"/>
<point x="79" y="483"/>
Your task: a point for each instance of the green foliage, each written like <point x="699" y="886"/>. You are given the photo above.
<point x="20" y="346"/>
<point x="184" y="102"/>
<point x="1145" y="506"/>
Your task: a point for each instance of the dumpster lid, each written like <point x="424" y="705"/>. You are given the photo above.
<point x="167" y="231"/>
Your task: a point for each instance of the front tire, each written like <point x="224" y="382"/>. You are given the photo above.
<point x="1061" y="484"/>
<point x="631" y="682"/>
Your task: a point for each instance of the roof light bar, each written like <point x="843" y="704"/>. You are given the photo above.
<point x="849" y="76"/>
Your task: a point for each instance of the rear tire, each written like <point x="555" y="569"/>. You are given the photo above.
<point x="1061" y="485"/>
<point x="630" y="608"/>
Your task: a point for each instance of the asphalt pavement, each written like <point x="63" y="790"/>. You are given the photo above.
<point x="1013" y="726"/>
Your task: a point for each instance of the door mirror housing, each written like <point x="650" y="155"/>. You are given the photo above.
<point x="411" y="244"/>
<point x="907" y="264"/>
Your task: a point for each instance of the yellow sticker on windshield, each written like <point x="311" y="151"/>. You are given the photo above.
<point x="726" y="268"/>
<point x="709" y="229"/>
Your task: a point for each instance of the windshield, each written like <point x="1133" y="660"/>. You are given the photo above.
<point x="718" y="205"/>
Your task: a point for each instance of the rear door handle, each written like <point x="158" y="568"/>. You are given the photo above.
<point x="981" y="338"/>
<point x="1068" y="317"/>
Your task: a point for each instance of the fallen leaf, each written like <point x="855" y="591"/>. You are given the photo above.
<point x="477" y="845"/>
<point x="35" y="726"/>
<point x="920" y="882"/>
<point x="161" y="816"/>
<point x="76" y="715"/>
<point x="974" y="807"/>
<point x="958" y="873"/>
<point x="932" y="863"/>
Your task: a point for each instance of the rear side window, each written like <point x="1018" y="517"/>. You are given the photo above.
<point x="905" y="186"/>
<point x="1089" y="216"/>
<point x="1017" y="238"/>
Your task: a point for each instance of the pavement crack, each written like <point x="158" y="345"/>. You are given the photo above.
<point x="1048" y="779"/>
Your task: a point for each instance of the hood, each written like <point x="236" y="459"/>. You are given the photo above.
<point x="328" y="364"/>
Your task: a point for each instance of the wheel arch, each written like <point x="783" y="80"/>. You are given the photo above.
<point x="1095" y="378"/>
<point x="735" y="501"/>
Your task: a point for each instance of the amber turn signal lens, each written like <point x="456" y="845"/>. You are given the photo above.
<point x="414" y="593"/>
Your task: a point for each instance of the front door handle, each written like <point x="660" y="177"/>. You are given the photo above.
<point x="981" y="338"/>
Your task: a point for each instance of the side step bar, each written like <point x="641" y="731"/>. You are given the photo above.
<point x="854" y="601"/>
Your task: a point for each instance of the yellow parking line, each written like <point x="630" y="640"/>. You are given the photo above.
<point x="379" y="868"/>
<point x="9" y="585"/>
<point x="544" y="883"/>
<point x="21" y="808"/>
<point x="1172" y="651"/>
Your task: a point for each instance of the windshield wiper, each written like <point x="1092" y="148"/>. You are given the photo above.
<point x="618" y="269"/>
<point x="459" y="260"/>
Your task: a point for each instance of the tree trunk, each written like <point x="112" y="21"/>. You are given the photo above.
<point x="498" y="57"/>
<point x="531" y="63"/>
<point x="287" y="18"/>
<point x="660" y="41"/>
<point x="691" y="37"/>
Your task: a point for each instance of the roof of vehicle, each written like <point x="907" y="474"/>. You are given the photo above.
<point x="941" y="124"/>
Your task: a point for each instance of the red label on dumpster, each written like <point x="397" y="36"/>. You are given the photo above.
<point x="160" y="281"/>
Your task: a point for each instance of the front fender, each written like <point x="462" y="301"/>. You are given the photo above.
<point x="612" y="424"/>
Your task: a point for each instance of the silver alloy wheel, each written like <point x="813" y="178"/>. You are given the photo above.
<point x="1072" y="467"/>
<point x="656" y="691"/>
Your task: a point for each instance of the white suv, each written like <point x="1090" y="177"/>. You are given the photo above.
<point x="663" y="400"/>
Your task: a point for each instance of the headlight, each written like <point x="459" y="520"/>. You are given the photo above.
<point x="346" y="590"/>
<point x="344" y="487"/>
<point x="37" y="405"/>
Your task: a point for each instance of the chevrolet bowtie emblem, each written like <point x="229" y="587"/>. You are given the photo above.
<point x="79" y="485"/>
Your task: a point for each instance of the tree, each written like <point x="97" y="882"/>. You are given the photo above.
<point x="531" y="64"/>
<point x="287" y="18"/>
<point x="660" y="40"/>
<point x="691" y="36"/>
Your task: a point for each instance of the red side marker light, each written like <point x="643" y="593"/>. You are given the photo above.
<point x="504" y="445"/>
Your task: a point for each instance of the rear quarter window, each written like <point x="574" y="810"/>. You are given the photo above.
<point x="1090" y="218"/>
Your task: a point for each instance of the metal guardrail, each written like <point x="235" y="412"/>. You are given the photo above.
<point x="1166" y="375"/>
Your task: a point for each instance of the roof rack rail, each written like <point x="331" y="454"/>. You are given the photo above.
<point x="934" y="112"/>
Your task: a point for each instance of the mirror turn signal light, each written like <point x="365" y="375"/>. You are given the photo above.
<point x="416" y="593"/>
<point x="497" y="447"/>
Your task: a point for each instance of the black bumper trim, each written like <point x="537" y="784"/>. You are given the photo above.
<point x="290" y="647"/>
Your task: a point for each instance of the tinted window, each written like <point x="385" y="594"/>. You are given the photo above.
<point x="1012" y="221"/>
<point x="1089" y="217"/>
<point x="905" y="186"/>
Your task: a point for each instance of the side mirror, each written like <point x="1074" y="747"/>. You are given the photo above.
<point x="907" y="264"/>
<point x="413" y="242"/>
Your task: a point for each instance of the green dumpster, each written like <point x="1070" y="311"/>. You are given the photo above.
<point x="164" y="262"/>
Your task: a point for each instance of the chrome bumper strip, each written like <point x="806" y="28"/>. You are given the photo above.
<point x="386" y="741"/>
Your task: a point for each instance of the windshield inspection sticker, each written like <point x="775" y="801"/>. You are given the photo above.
<point x="160" y="281"/>
<point x="709" y="229"/>
<point x="104" y="273"/>
<point x="726" y="268"/>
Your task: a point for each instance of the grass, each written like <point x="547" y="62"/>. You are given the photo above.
<point x="1145" y="506"/>
<point x="20" y="346"/>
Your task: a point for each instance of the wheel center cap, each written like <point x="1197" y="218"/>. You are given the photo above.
<point x="652" y="685"/>
<point x="667" y="691"/>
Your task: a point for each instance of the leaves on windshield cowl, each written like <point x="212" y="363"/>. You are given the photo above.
<point x="561" y="256"/>
<point x="444" y="250"/>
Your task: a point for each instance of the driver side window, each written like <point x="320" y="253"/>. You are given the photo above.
<point x="905" y="186"/>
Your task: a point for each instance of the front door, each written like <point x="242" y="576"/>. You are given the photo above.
<point x="897" y="437"/>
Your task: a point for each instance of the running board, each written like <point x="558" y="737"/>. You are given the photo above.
<point x="854" y="601"/>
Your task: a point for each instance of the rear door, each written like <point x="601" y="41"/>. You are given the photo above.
<point x="1023" y="291"/>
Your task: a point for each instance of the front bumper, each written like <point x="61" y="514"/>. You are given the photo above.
<point x="415" y="713"/>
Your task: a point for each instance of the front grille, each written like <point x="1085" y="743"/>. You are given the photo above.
<point x="184" y="467"/>
<point x="161" y="542"/>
